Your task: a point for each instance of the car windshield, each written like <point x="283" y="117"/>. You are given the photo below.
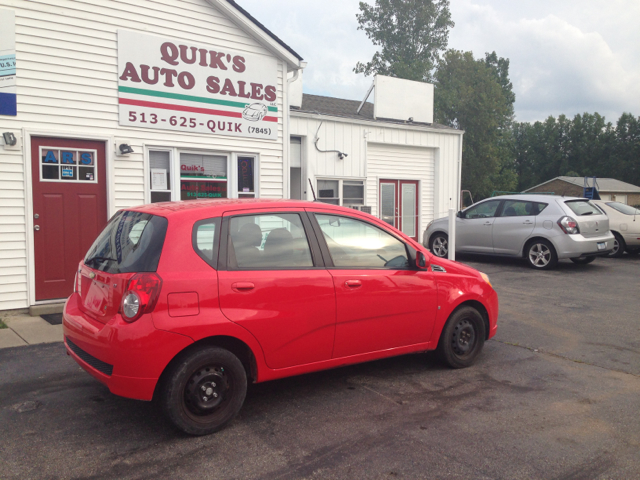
<point x="622" y="208"/>
<point x="583" y="207"/>
<point x="131" y="242"/>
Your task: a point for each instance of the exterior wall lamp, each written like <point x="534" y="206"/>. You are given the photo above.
<point x="9" y="139"/>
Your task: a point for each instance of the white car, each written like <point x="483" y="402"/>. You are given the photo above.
<point x="624" y="223"/>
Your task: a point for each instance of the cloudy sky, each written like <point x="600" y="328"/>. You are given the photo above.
<point x="567" y="56"/>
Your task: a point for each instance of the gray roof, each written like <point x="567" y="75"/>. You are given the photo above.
<point x="264" y="29"/>
<point x="339" y="107"/>
<point x="604" y="184"/>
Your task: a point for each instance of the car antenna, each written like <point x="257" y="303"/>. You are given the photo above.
<point x="312" y="190"/>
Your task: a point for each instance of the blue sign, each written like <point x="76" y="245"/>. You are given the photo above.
<point x="7" y="65"/>
<point x="67" y="157"/>
<point x="86" y="158"/>
<point x="8" y="104"/>
<point x="67" y="172"/>
<point x="51" y="157"/>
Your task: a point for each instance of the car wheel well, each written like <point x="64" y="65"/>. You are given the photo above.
<point x="480" y="308"/>
<point x="533" y="240"/>
<point x="232" y="344"/>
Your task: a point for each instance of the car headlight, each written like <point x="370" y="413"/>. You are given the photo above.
<point x="485" y="277"/>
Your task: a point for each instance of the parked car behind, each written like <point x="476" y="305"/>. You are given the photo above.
<point x="624" y="222"/>
<point x="540" y="228"/>
<point x="192" y="300"/>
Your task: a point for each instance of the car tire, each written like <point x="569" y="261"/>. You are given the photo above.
<point x="462" y="338"/>
<point x="618" y="246"/>
<point x="583" y="260"/>
<point x="541" y="255"/>
<point x="439" y="245"/>
<point x="204" y="390"/>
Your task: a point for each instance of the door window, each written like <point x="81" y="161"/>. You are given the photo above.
<point x="272" y="241"/>
<point x="484" y="210"/>
<point x="68" y="165"/>
<point x="356" y="244"/>
<point x="519" y="208"/>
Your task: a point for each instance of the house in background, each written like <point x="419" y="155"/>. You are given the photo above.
<point x="609" y="189"/>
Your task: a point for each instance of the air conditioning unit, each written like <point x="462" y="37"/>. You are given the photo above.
<point x="362" y="208"/>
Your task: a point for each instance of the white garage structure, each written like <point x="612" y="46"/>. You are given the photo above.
<point x="407" y="173"/>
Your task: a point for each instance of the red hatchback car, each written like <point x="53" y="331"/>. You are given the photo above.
<point x="191" y="300"/>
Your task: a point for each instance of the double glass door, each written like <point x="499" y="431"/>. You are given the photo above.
<point x="399" y="205"/>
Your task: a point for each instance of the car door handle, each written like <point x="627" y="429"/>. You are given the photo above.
<point x="488" y="224"/>
<point x="528" y="222"/>
<point x="243" y="286"/>
<point x="353" y="283"/>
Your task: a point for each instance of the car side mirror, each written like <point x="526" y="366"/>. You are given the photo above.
<point x="460" y="214"/>
<point x="421" y="261"/>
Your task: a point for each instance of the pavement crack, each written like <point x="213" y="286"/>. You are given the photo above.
<point x="562" y="357"/>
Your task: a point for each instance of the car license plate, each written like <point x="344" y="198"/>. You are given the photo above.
<point x="602" y="245"/>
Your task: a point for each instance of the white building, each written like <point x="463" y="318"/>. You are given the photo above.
<point x="124" y="103"/>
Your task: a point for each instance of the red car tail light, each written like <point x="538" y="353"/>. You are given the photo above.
<point x="141" y="296"/>
<point x="569" y="225"/>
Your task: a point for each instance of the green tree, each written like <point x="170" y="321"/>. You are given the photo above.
<point x="476" y="96"/>
<point x="411" y="34"/>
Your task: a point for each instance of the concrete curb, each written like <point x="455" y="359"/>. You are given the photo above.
<point x="27" y="330"/>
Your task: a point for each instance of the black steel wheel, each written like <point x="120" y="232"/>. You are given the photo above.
<point x="618" y="246"/>
<point x="582" y="260"/>
<point x="203" y="390"/>
<point x="439" y="245"/>
<point x="462" y="338"/>
<point x="541" y="255"/>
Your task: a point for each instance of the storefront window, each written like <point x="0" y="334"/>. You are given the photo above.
<point x="160" y="171"/>
<point x="203" y="176"/>
<point x="246" y="185"/>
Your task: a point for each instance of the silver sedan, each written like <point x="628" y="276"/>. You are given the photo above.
<point x="540" y="228"/>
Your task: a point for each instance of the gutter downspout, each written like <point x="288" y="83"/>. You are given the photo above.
<point x="286" y="150"/>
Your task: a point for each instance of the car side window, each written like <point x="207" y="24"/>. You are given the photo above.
<point x="520" y="208"/>
<point x="204" y="240"/>
<point x="356" y="244"/>
<point x="484" y="210"/>
<point x="270" y="241"/>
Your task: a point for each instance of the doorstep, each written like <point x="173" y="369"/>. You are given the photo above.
<point x="44" y="309"/>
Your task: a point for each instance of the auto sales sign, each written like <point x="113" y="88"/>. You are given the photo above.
<point x="176" y="85"/>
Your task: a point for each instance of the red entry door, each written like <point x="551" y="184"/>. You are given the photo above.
<point x="398" y="206"/>
<point x="69" y="209"/>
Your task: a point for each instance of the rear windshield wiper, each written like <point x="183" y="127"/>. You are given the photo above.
<point x="101" y="259"/>
<point x="587" y="213"/>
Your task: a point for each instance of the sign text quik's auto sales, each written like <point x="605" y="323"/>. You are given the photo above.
<point x="176" y="85"/>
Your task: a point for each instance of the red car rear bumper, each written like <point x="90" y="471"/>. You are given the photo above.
<point x="127" y="357"/>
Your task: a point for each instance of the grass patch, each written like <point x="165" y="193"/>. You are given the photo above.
<point x="2" y="324"/>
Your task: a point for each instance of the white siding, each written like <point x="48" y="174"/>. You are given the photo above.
<point x="67" y="83"/>
<point x="384" y="151"/>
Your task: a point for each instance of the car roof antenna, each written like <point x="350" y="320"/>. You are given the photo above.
<point x="312" y="191"/>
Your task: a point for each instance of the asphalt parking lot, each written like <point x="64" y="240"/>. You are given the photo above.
<point x="555" y="395"/>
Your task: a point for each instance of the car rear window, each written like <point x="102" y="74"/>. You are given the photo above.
<point x="583" y="207"/>
<point x="131" y="242"/>
<point x="622" y="208"/>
